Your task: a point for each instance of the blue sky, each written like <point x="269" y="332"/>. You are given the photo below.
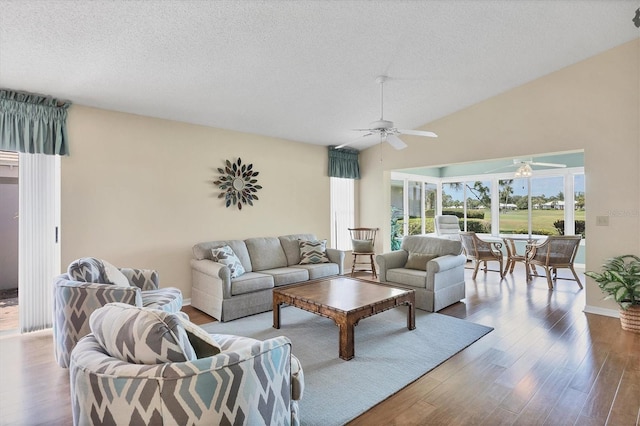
<point x="547" y="186"/>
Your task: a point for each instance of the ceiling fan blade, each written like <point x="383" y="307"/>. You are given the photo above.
<point x="354" y="141"/>
<point x="396" y="142"/>
<point x="535" y="163"/>
<point x="501" y="168"/>
<point x="345" y="144"/>
<point x="418" y="133"/>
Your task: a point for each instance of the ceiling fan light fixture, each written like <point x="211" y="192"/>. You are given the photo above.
<point x="381" y="124"/>
<point x="524" y="170"/>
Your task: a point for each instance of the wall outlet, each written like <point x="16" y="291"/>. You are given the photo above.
<point x="602" y="220"/>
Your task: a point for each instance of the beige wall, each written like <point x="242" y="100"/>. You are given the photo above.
<point x="138" y="191"/>
<point x="593" y="105"/>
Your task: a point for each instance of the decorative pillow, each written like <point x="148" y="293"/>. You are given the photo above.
<point x="112" y="275"/>
<point x="226" y="256"/>
<point x="313" y="252"/>
<point x="362" y="246"/>
<point x="87" y="269"/>
<point x="141" y="335"/>
<point x="419" y="260"/>
<point x="203" y="344"/>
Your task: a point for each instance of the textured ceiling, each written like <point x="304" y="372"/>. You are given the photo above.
<point x="300" y="70"/>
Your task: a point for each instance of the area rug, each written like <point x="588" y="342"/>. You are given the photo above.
<point x="388" y="356"/>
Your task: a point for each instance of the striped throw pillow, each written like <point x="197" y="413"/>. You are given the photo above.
<point x="313" y="252"/>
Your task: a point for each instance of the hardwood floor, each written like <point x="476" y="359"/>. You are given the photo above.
<point x="546" y="363"/>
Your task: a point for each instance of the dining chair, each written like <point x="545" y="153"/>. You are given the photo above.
<point x="480" y="250"/>
<point x="512" y="252"/>
<point x="557" y="251"/>
<point x="363" y="242"/>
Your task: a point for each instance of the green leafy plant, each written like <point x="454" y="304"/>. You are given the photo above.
<point x="620" y="279"/>
<point x="396" y="229"/>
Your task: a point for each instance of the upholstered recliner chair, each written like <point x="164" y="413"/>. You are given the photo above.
<point x="447" y="226"/>
<point x="432" y="266"/>
<point x="143" y="366"/>
<point x="91" y="283"/>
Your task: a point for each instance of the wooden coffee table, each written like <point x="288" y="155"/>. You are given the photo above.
<point x="346" y="301"/>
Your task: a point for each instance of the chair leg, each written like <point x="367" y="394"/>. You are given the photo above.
<point x="549" y="280"/>
<point x="353" y="267"/>
<point x="503" y="272"/>
<point x="576" y="276"/>
<point x="475" y="270"/>
<point x="374" y="274"/>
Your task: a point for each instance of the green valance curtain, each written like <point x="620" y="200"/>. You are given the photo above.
<point x="32" y="123"/>
<point x="343" y="163"/>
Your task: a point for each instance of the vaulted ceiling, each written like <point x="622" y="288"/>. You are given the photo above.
<point x="300" y="70"/>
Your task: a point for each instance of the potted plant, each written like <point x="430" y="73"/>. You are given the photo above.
<point x="396" y="229"/>
<point x="620" y="279"/>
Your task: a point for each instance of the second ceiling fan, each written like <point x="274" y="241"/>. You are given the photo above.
<point x="385" y="128"/>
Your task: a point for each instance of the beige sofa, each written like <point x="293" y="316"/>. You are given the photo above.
<point x="268" y="263"/>
<point x="432" y="266"/>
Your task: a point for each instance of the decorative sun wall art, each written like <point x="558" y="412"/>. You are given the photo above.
<point x="238" y="184"/>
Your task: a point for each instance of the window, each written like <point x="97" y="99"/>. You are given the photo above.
<point x="471" y="201"/>
<point x="492" y="204"/>
<point x="415" y="209"/>
<point x="342" y="212"/>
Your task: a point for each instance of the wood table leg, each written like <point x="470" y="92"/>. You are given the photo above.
<point x="411" y="316"/>
<point x="347" y="350"/>
<point x="276" y="315"/>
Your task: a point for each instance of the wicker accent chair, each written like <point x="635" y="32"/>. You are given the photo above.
<point x="558" y="251"/>
<point x="481" y="251"/>
<point x="363" y="242"/>
<point x="512" y="254"/>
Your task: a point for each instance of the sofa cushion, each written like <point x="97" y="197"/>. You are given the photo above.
<point x="87" y="269"/>
<point x="320" y="270"/>
<point x="226" y="256"/>
<point x="419" y="260"/>
<point x="266" y="253"/>
<point x="410" y="277"/>
<point x="313" y="252"/>
<point x="291" y="246"/>
<point x="250" y="282"/>
<point x="284" y="276"/>
<point x="141" y="335"/>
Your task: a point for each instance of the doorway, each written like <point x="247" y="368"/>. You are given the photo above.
<point x="9" y="190"/>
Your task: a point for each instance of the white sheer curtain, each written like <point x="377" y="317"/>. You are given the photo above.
<point x="39" y="247"/>
<point x="342" y="212"/>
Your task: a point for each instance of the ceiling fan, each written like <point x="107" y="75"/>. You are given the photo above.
<point x="524" y="167"/>
<point x="385" y="128"/>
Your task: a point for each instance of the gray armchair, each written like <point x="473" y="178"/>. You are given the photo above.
<point x="89" y="285"/>
<point x="433" y="267"/>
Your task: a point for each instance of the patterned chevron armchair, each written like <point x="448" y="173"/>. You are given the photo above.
<point x="144" y="366"/>
<point x="91" y="283"/>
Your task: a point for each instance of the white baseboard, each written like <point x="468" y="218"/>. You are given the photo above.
<point x="186" y="302"/>
<point x="601" y="311"/>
